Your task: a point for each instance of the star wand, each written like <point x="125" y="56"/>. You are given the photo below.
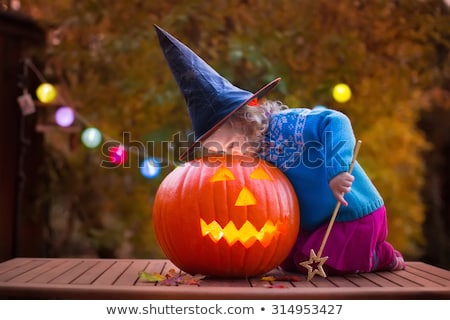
<point x="316" y="261"/>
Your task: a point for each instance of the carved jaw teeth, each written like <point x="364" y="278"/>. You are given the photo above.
<point x="247" y="234"/>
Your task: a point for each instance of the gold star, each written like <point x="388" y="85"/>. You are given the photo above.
<point x="314" y="265"/>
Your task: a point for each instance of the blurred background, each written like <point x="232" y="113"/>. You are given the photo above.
<point x="71" y="192"/>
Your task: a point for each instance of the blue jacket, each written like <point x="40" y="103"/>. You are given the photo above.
<point x="311" y="146"/>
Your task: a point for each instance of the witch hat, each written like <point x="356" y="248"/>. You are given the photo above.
<point x="211" y="99"/>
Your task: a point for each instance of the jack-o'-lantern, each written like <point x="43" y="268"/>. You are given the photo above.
<point x="227" y="216"/>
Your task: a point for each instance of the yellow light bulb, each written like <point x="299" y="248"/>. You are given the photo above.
<point x="342" y="92"/>
<point x="46" y="92"/>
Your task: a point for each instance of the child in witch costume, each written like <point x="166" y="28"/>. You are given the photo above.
<point x="313" y="147"/>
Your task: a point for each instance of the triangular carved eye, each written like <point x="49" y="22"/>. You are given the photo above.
<point x="260" y="174"/>
<point x="245" y="198"/>
<point x="222" y="174"/>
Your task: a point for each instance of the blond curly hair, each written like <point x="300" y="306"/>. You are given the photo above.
<point x="252" y="122"/>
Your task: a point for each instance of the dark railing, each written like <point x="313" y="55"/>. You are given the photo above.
<point x="20" y="144"/>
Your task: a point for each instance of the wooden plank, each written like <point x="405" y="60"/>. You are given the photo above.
<point x="303" y="284"/>
<point x="152" y="267"/>
<point x="341" y="282"/>
<point x="168" y="266"/>
<point x="320" y="282"/>
<point x="278" y="284"/>
<point x="12" y="264"/>
<point x="444" y="273"/>
<point x="23" y="268"/>
<point x="281" y="284"/>
<point x="379" y="280"/>
<point x="52" y="291"/>
<point x="359" y="281"/>
<point x="419" y="280"/>
<point x="157" y="266"/>
<point x="398" y="278"/>
<point x="47" y="266"/>
<point x="74" y="273"/>
<point x="52" y="273"/>
<point x="426" y="275"/>
<point x="111" y="274"/>
<point x="257" y="282"/>
<point x="225" y="282"/>
<point x="277" y="273"/>
<point x="93" y="273"/>
<point x="160" y="263"/>
<point x="131" y="275"/>
<point x="436" y="274"/>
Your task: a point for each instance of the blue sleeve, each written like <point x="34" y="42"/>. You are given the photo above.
<point x="338" y="140"/>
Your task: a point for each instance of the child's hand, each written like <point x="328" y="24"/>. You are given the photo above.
<point x="340" y="185"/>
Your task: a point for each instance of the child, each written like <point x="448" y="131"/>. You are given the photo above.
<point x="312" y="147"/>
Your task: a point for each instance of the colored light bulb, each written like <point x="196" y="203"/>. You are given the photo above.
<point x="64" y="116"/>
<point x="117" y="154"/>
<point x="342" y="92"/>
<point x="91" y="137"/>
<point x="150" y="168"/>
<point x="46" y="92"/>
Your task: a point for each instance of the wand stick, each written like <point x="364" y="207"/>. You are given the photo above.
<point x="318" y="259"/>
<point x="338" y="204"/>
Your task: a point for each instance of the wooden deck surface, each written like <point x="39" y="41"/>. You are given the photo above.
<point x="40" y="278"/>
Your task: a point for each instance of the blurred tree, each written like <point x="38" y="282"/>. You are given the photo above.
<point x="393" y="55"/>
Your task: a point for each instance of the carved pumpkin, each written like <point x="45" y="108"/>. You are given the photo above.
<point x="227" y="216"/>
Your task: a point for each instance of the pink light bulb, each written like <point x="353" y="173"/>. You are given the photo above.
<point x="117" y="154"/>
<point x="64" y="116"/>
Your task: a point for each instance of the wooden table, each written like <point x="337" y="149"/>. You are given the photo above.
<point x="61" y="278"/>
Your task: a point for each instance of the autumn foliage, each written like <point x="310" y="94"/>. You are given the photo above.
<point x="393" y="54"/>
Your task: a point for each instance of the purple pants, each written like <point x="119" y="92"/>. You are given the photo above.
<point x="352" y="246"/>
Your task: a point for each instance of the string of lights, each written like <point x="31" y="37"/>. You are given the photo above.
<point x="65" y="116"/>
<point x="91" y="136"/>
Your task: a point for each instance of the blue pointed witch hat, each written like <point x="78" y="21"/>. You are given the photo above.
<point x="211" y="99"/>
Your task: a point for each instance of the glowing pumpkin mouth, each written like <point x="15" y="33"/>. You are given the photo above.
<point x="247" y="234"/>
